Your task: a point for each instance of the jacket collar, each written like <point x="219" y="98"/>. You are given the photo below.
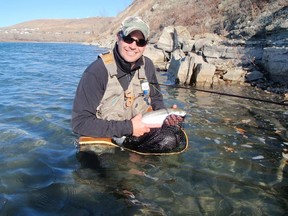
<point x="123" y="65"/>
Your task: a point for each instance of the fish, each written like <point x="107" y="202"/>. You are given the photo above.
<point x="153" y="119"/>
<point x="157" y="117"/>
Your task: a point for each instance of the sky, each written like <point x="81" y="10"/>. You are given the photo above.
<point x="16" y="11"/>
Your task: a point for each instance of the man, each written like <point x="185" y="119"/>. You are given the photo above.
<point x="114" y="90"/>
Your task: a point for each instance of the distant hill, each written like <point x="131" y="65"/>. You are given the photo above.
<point x="56" y="30"/>
<point x="233" y="18"/>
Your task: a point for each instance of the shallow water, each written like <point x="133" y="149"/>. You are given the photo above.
<point x="233" y="166"/>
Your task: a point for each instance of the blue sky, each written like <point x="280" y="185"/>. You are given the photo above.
<point x="17" y="11"/>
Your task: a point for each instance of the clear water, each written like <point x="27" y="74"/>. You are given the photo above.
<point x="233" y="166"/>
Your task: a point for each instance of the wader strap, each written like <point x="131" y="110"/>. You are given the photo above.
<point x="109" y="63"/>
<point x="141" y="71"/>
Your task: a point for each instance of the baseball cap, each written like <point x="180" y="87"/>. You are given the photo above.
<point x="133" y="23"/>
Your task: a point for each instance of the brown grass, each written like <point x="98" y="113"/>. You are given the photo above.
<point x="214" y="16"/>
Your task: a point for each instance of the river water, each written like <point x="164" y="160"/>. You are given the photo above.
<point x="234" y="164"/>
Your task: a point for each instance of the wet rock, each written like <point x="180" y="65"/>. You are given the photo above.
<point x="253" y="75"/>
<point x="203" y="74"/>
<point x="175" y="64"/>
<point x="185" y="70"/>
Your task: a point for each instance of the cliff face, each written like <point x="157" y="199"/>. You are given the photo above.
<point x="231" y="18"/>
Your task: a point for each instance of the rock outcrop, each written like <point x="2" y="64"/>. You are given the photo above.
<point x="209" y="59"/>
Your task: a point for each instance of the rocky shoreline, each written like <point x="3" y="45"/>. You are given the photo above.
<point x="210" y="60"/>
<point x="249" y="43"/>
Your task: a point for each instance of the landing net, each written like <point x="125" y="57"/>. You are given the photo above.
<point x="159" y="141"/>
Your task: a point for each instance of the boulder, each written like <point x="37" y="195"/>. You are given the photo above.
<point x="157" y="56"/>
<point x="275" y="62"/>
<point x="188" y="45"/>
<point x="235" y="75"/>
<point x="202" y="42"/>
<point x="200" y="60"/>
<point x="175" y="64"/>
<point x="253" y="76"/>
<point x="168" y="40"/>
<point x="203" y="74"/>
<point x="184" y="39"/>
<point x="185" y="69"/>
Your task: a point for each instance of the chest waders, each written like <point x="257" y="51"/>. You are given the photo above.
<point x="118" y="104"/>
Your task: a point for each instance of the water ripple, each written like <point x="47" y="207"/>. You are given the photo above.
<point x="233" y="166"/>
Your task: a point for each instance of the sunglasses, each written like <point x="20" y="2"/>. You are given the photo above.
<point x="129" y="40"/>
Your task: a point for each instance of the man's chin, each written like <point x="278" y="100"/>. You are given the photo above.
<point x="131" y="59"/>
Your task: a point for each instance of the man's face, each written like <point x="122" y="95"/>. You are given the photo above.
<point x="131" y="52"/>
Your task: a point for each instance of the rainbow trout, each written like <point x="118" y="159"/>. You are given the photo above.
<point x="162" y="137"/>
<point x="156" y="118"/>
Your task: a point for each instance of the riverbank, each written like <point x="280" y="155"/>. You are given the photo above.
<point x="209" y="60"/>
<point x="215" y="43"/>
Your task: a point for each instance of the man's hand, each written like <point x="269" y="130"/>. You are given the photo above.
<point x="139" y="128"/>
<point x="173" y="120"/>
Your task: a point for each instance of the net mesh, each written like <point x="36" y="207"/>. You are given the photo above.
<point x="167" y="139"/>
